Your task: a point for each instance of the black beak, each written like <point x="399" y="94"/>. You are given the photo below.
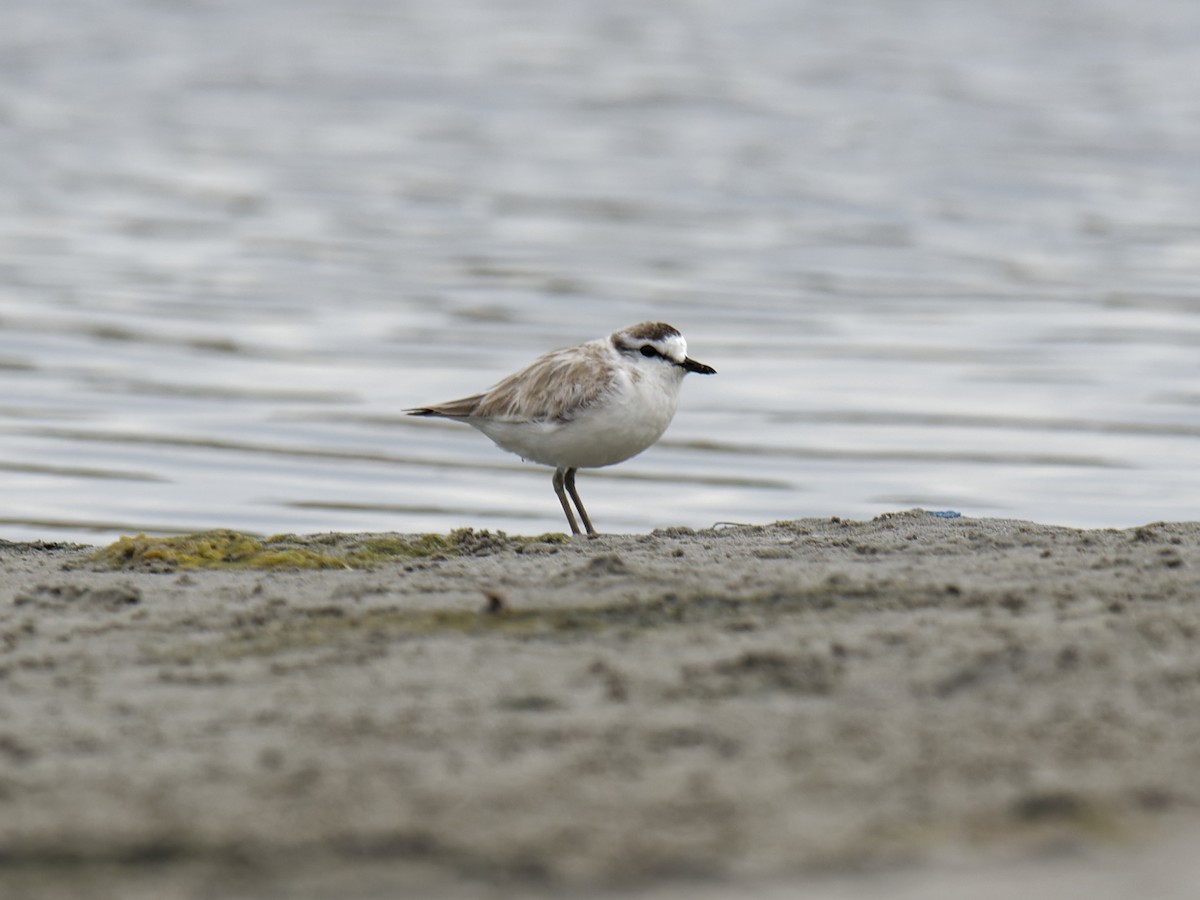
<point x="690" y="365"/>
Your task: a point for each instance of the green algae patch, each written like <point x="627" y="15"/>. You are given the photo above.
<point x="209" y="548"/>
<point x="550" y="537"/>
<point x="234" y="550"/>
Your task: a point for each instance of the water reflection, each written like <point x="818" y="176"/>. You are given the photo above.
<point x="934" y="263"/>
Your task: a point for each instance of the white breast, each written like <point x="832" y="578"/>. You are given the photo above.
<point x="621" y="424"/>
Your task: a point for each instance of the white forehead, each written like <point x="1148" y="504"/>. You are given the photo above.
<point x="663" y="337"/>
<point x="672" y="346"/>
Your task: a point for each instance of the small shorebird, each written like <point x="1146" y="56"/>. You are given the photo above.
<point x="583" y="407"/>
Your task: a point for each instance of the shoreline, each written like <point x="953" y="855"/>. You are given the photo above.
<point x="765" y="705"/>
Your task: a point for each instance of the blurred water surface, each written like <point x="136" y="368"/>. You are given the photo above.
<point x="942" y="253"/>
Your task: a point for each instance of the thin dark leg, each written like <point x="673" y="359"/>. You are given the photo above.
<point x="587" y="523"/>
<point x="562" y="498"/>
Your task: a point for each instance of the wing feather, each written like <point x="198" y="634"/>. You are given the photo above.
<point x="553" y="388"/>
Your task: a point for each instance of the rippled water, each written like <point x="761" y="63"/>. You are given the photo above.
<point x="942" y="254"/>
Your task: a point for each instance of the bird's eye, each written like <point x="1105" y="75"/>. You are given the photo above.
<point x="648" y="351"/>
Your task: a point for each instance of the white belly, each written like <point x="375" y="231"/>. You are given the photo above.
<point x="621" y="426"/>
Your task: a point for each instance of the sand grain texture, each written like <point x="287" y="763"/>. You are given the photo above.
<point x="852" y="705"/>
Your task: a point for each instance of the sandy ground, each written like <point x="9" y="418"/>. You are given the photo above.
<point x="907" y="707"/>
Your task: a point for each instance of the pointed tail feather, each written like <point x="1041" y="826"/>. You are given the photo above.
<point x="455" y="409"/>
